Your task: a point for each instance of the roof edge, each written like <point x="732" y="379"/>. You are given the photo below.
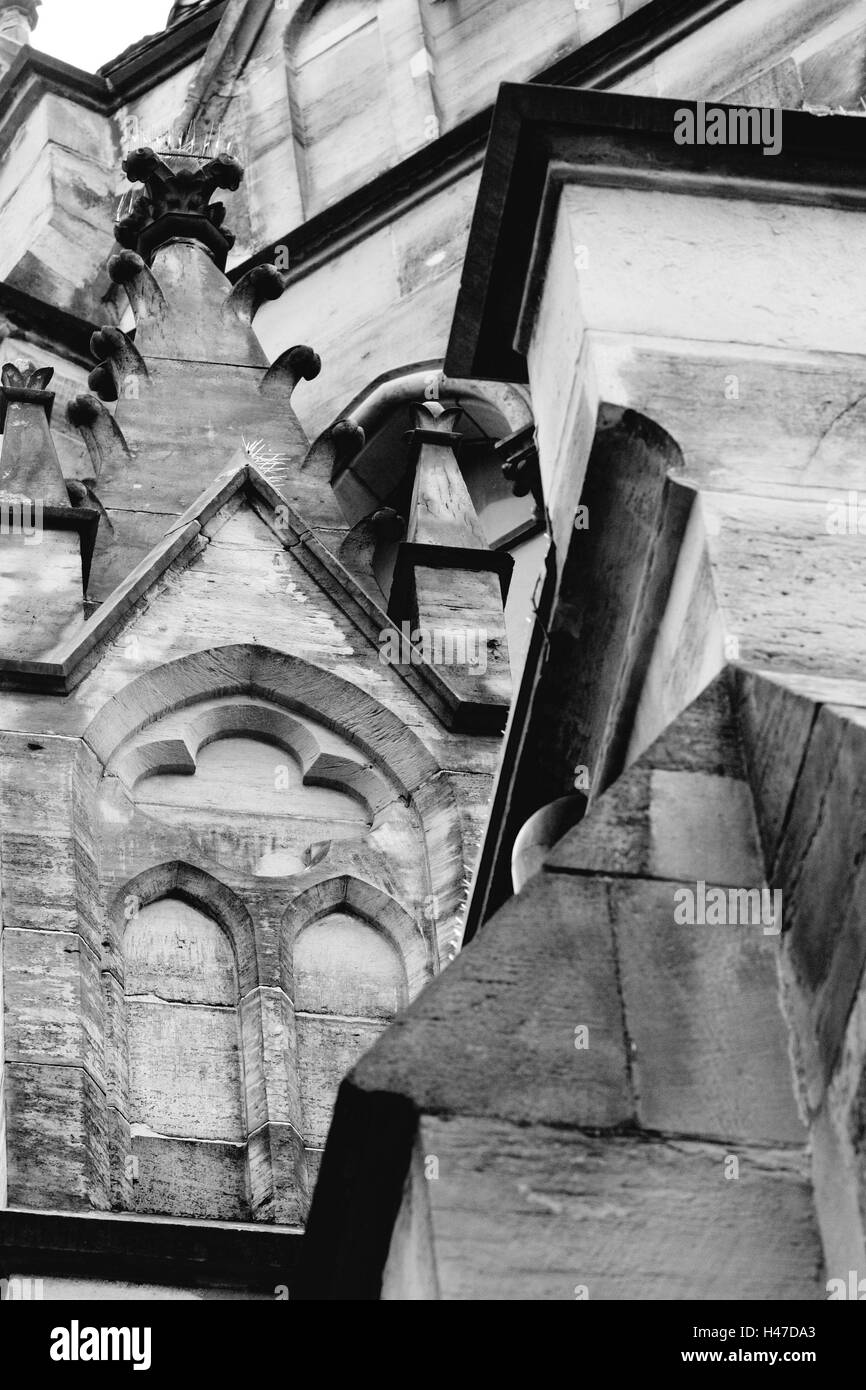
<point x="543" y="136"/>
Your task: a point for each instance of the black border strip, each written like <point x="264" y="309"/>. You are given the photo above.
<point x="156" y="1250"/>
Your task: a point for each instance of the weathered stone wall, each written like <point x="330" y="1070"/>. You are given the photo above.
<point x="714" y="711"/>
<point x="406" y="273"/>
<point x="747" y="355"/>
<point x="759" y="387"/>
<point x="57" y="186"/>
<point x="358" y="87"/>
<point x="102" y="844"/>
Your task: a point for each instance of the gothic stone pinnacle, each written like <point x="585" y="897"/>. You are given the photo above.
<point x="175" y="202"/>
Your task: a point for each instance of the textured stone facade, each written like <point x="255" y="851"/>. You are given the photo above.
<point x="298" y="566"/>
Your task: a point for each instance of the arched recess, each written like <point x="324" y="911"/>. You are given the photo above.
<point x="183" y="1064"/>
<point x="369" y="904"/>
<point x="285" y="680"/>
<point x="192" y="885"/>
<point x="350" y="958"/>
<point x="121" y="839"/>
<point x="369" y="474"/>
<point x="367" y="457"/>
<point x="394" y="751"/>
<point x="339" y="97"/>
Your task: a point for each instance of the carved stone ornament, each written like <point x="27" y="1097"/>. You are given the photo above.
<point x="175" y="202"/>
<point x="27" y="386"/>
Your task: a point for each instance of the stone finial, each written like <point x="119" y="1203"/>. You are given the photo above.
<point x="446" y="578"/>
<point x="176" y="203"/>
<point x="29" y="466"/>
<point x="23" y="380"/>
<point x="30" y="471"/>
<point x="442" y="513"/>
<point x="18" y="19"/>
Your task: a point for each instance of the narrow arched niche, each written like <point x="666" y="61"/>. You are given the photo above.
<point x="182" y="995"/>
<point x="339" y="98"/>
<point x="185" y="1071"/>
<point x="344" y="966"/>
<point x="349" y="982"/>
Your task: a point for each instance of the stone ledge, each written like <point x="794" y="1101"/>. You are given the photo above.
<point x="104" y="1246"/>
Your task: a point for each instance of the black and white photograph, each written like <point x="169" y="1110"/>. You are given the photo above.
<point x="432" y="672"/>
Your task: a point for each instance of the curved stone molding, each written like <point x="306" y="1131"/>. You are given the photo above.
<point x="153" y="759"/>
<point x="254" y="721"/>
<point x="342" y="775"/>
<point x="541" y="832"/>
<point x="201" y="890"/>
<point x="267" y="724"/>
<point x="285" y="680"/>
<point x="368" y="903"/>
<point x="395" y="756"/>
<point x="406" y="386"/>
<point x="427" y="381"/>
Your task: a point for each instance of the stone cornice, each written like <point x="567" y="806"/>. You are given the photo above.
<point x="543" y="137"/>
<point x="36" y="73"/>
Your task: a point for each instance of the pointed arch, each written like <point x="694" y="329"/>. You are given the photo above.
<point x="201" y="890"/>
<point x="369" y="904"/>
<point x="235" y="1149"/>
<point x="350" y="959"/>
<point x="178" y="1060"/>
